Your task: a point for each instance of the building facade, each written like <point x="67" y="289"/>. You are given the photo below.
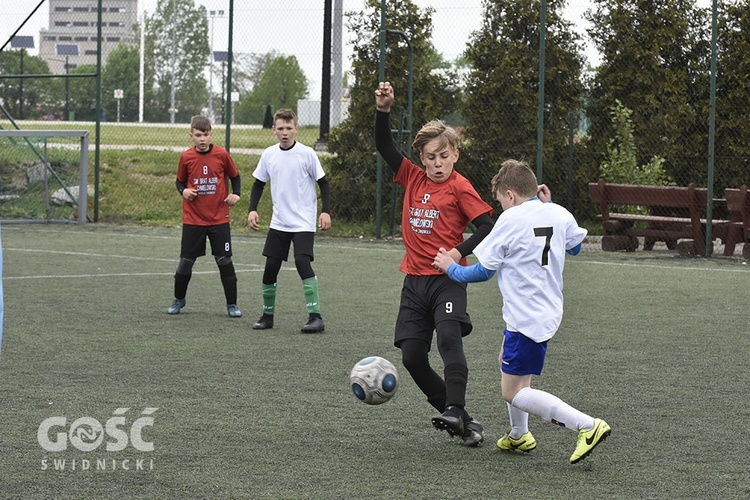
<point x="71" y="36"/>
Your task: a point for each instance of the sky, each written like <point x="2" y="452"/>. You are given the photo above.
<point x="294" y="27"/>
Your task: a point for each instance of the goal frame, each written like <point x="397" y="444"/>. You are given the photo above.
<point x="82" y="201"/>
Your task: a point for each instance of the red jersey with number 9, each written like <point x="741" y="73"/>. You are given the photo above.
<point x="434" y="215"/>
<point x="207" y="173"/>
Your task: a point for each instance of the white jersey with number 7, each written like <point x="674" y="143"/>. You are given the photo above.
<point x="526" y="248"/>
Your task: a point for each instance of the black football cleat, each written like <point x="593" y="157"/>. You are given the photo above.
<point x="264" y="323"/>
<point x="451" y="421"/>
<point x="314" y="325"/>
<point x="472" y="433"/>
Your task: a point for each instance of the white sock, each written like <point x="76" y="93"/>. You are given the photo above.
<point x="552" y="409"/>
<point x="519" y="421"/>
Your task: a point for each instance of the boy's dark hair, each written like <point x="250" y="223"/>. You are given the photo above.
<point x="517" y="176"/>
<point x="285" y="114"/>
<point x="200" y="123"/>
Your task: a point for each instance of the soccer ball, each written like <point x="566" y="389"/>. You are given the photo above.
<point x="374" y="380"/>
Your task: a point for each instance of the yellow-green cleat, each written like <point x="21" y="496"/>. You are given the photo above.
<point x="587" y="440"/>
<point x="525" y="443"/>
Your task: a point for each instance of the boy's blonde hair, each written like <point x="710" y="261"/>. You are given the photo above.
<point x="200" y="123"/>
<point x="286" y="114"/>
<point x="516" y="176"/>
<point x="447" y="135"/>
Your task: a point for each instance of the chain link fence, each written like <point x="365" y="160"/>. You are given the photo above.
<point x="627" y="91"/>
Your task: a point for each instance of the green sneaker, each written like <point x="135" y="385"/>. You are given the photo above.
<point x="177" y="304"/>
<point x="525" y="443"/>
<point x="587" y="440"/>
<point x="234" y="311"/>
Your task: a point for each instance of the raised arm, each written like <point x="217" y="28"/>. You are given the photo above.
<point x="384" y="97"/>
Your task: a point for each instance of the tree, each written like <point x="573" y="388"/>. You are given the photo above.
<point x="178" y="50"/>
<point x="250" y="68"/>
<point x="122" y="63"/>
<point x="654" y="61"/>
<point x="352" y="167"/>
<point x="83" y="94"/>
<point x="282" y="85"/>
<point x="733" y="92"/>
<point x="38" y="94"/>
<point x="502" y="89"/>
<point x="621" y="163"/>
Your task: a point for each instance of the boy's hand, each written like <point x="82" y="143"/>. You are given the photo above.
<point x="544" y="193"/>
<point x="189" y="194"/>
<point x="232" y="199"/>
<point x="253" y="220"/>
<point x="443" y="261"/>
<point x="384" y="97"/>
<point x="324" y="221"/>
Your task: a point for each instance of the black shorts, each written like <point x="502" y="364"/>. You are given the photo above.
<point x="425" y="302"/>
<point x="278" y="243"/>
<point x="194" y="241"/>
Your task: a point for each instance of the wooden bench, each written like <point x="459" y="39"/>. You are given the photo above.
<point x="676" y="216"/>
<point x="738" y="205"/>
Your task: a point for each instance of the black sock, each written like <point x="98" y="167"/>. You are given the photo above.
<point x="456" y="378"/>
<point x="180" y="285"/>
<point x="229" y="282"/>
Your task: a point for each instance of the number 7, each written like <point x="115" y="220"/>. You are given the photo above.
<point x="544" y="232"/>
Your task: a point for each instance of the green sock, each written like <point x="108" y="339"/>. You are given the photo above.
<point x="269" y="298"/>
<point x="310" y="287"/>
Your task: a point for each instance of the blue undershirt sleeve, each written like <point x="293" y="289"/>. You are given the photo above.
<point x="575" y="250"/>
<point x="469" y="274"/>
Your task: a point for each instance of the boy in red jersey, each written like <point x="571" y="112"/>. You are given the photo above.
<point x="438" y="205"/>
<point x="202" y="182"/>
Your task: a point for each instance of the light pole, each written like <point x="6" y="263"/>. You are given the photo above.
<point x="20" y="89"/>
<point x="67" y="90"/>
<point x="172" y="109"/>
<point x="222" y="56"/>
<point x="213" y="14"/>
<point x="66" y="112"/>
<point x="22" y="43"/>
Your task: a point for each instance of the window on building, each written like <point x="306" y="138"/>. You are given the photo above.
<point x="90" y="52"/>
<point x="80" y="9"/>
<point x="113" y="38"/>
<point x="81" y="38"/>
<point x="63" y="9"/>
<point x="80" y="23"/>
<point x="49" y="38"/>
<point x="66" y="38"/>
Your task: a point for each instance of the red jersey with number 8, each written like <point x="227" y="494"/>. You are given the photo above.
<point x="207" y="173"/>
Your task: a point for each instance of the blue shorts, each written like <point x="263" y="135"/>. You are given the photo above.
<point x="521" y="355"/>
